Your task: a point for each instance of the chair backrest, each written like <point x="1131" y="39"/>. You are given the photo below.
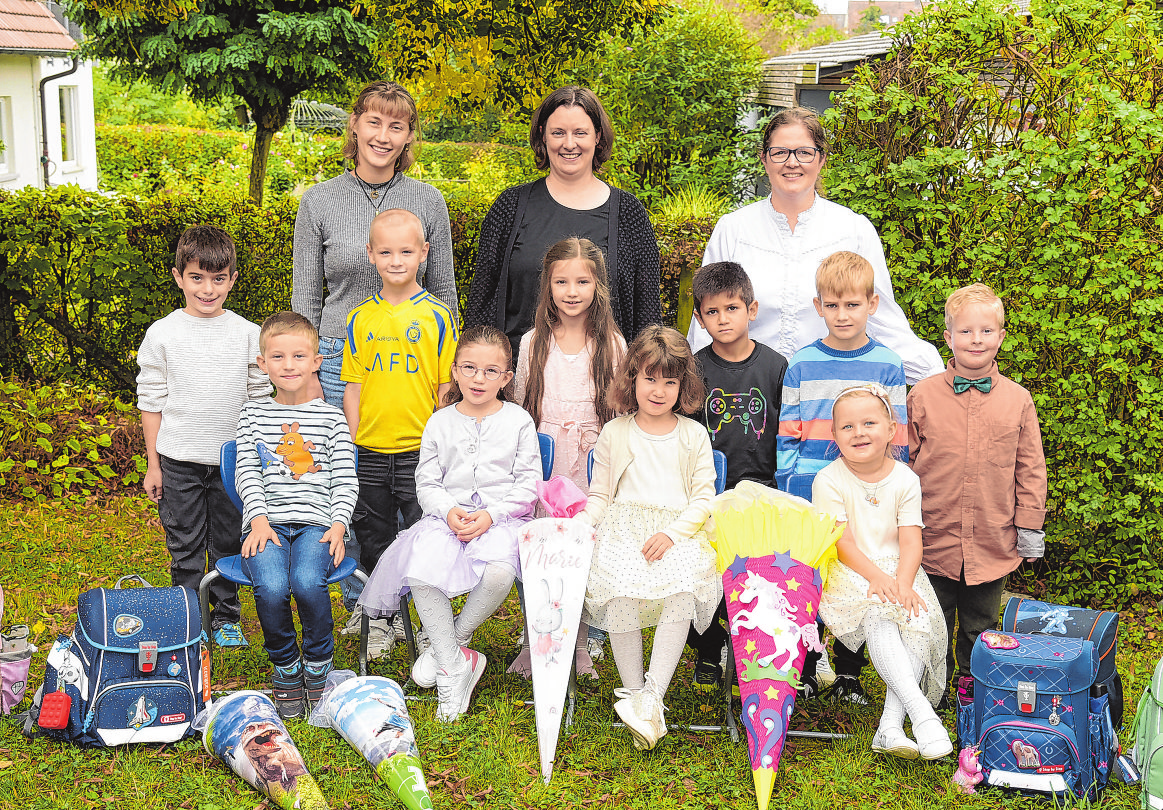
<point x="720" y="470"/>
<point x="546" y="443"/>
<point x="227" y="459"/>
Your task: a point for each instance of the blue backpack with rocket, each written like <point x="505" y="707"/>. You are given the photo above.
<point x="135" y="669"/>
<point x="1039" y="719"/>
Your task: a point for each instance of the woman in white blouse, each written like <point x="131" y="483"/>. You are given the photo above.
<point x="781" y="240"/>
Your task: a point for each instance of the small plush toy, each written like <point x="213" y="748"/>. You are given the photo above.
<point x="968" y="771"/>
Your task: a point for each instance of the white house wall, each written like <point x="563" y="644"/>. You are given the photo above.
<point x="20" y="77"/>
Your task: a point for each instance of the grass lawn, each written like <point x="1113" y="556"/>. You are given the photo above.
<point x="49" y="553"/>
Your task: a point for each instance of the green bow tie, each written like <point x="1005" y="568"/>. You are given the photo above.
<point x="961" y="385"/>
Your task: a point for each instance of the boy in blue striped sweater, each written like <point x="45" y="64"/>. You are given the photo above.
<point x="845" y="298"/>
<point x="296" y="477"/>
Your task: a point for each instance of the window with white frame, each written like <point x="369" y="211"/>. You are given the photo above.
<point x="70" y="116"/>
<point x="6" y="166"/>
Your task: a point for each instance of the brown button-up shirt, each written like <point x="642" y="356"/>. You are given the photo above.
<point x="983" y="472"/>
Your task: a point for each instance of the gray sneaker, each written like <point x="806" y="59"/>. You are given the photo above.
<point x="380" y="639"/>
<point x="354" y="622"/>
<point x="398" y="627"/>
<point x="596" y="649"/>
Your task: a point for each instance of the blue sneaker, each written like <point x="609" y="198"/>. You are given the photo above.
<point x="230" y="635"/>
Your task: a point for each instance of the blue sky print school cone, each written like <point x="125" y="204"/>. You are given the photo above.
<point x="371" y="715"/>
<point x="244" y="731"/>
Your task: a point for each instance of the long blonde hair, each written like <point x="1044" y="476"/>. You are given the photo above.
<point x="601" y="329"/>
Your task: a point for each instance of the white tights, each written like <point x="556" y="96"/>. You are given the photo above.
<point x="449" y="634"/>
<point x="669" y="640"/>
<point x="901" y="672"/>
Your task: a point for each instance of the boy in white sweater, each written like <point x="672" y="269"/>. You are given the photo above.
<point x="197" y="370"/>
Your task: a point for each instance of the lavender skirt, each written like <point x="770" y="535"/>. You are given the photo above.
<point x="429" y="553"/>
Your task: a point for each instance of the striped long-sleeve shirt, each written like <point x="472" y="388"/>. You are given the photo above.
<point x="815" y="375"/>
<point x="296" y="464"/>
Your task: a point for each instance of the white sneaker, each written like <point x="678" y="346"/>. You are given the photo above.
<point x="354" y="622"/>
<point x="380" y="639"/>
<point x="454" y="688"/>
<point x="425" y="668"/>
<point x="398" y="627"/>
<point x="596" y="649"/>
<point x="825" y="675"/>
<point x="895" y="742"/>
<point x="932" y="739"/>
<point x="643" y="713"/>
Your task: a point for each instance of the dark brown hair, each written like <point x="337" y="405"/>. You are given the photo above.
<point x="572" y="96"/>
<point x="209" y="246"/>
<point x="601" y="328"/>
<point x="481" y="336"/>
<point x="661" y="352"/>
<point x="797" y="115"/>
<point x="387" y="98"/>
<point x="721" y="277"/>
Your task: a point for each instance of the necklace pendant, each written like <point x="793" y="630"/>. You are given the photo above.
<point x="872" y="499"/>
<point x="375" y="195"/>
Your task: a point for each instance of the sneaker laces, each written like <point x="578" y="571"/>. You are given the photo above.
<point x="650" y="695"/>
<point x="229" y="632"/>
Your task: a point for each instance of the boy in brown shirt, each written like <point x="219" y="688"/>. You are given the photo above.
<point x="975" y="443"/>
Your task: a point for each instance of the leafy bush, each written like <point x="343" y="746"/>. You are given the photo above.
<point x="675" y="92"/>
<point x="1030" y="156"/>
<point x="63" y="440"/>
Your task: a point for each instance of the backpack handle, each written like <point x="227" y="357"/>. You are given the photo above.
<point x="138" y="577"/>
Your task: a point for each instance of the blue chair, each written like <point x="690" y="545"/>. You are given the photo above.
<point x="231" y="569"/>
<point x="720" y="470"/>
<point x="545" y="442"/>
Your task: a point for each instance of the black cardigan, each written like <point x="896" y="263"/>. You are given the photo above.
<point x="632" y="258"/>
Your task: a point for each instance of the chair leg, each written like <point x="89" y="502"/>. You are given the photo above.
<point x="409" y="632"/>
<point x="365" y="628"/>
<point x="729" y="693"/>
<point x="204" y="605"/>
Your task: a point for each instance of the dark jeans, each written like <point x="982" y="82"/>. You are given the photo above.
<point x="200" y="522"/>
<point x="974" y="608"/>
<point x="709" y="645"/>
<point x="387" y="486"/>
<point x="299" y="567"/>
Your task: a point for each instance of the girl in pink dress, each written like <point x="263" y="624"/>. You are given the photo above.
<point x="565" y="365"/>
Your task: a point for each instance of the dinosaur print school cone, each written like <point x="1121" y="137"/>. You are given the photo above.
<point x="773" y="551"/>
<point x="371" y="715"/>
<point x="244" y="731"/>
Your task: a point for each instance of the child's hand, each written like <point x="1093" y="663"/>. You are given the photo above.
<point x="656" y="546"/>
<point x="260" y="534"/>
<point x="334" y="539"/>
<point x="475" y="524"/>
<point x="883" y="587"/>
<point x="910" y="600"/>
<point x="455" y="520"/>
<point x="153" y="483"/>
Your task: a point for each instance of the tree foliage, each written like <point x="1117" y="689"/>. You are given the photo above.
<point x="263" y="51"/>
<point x="1029" y="154"/>
<point x="511" y="52"/>
<point x="676" y="92"/>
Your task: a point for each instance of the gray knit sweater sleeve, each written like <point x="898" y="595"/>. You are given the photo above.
<point x="331" y="231"/>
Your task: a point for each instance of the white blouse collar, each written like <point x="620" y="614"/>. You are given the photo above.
<point x="781" y="221"/>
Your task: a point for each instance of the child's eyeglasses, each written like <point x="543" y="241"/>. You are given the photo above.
<point x="805" y="154"/>
<point x="469" y="370"/>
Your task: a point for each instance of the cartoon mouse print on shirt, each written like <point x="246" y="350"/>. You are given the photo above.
<point x="295" y="452"/>
<point x="749" y="410"/>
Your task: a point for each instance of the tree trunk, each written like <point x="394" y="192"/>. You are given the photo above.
<point x="267" y="121"/>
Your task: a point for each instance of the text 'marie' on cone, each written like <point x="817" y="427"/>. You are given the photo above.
<point x="773" y="551"/>
<point x="370" y="713"/>
<point x="244" y="731"/>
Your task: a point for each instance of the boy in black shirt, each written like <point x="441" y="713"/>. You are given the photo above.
<point x="744" y="382"/>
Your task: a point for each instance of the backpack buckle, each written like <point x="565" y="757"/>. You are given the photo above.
<point x="147" y="656"/>
<point x="1027" y="696"/>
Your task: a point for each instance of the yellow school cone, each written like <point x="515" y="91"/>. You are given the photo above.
<point x="764" y="782"/>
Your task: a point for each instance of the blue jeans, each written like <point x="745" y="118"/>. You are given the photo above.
<point x="331" y="351"/>
<point x="299" y="567"/>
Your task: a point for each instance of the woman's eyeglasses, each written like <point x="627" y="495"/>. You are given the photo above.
<point x="804" y="154"/>
<point x="469" y="370"/>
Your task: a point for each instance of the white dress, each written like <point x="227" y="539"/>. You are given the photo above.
<point x="684" y="584"/>
<point x="845" y="605"/>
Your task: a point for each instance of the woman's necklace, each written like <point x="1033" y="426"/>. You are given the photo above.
<point x="373" y="191"/>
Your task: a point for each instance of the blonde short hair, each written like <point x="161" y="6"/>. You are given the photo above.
<point x="845" y="271"/>
<point x="396" y="218"/>
<point x="974" y="294"/>
<point x="287" y="323"/>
